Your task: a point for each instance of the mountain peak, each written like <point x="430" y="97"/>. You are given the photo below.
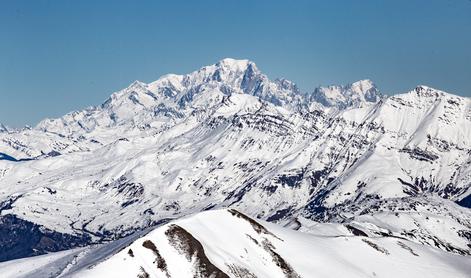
<point x="425" y="91"/>
<point x="137" y="85"/>
<point x="362" y="86"/>
<point x="234" y="68"/>
<point x="355" y="94"/>
<point x="235" y="63"/>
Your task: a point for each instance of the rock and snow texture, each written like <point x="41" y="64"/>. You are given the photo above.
<point x="357" y="94"/>
<point x="227" y="243"/>
<point x="227" y="136"/>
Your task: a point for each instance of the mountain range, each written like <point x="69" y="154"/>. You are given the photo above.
<point x="381" y="172"/>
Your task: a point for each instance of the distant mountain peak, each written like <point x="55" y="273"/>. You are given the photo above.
<point x="235" y="63"/>
<point x="138" y="84"/>
<point x="426" y="91"/>
<point x="363" y="86"/>
<point x="140" y="104"/>
<point x="352" y="95"/>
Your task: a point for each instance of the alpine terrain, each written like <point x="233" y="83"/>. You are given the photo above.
<point x="223" y="172"/>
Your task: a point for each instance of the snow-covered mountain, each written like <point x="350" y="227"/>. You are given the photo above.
<point x="227" y="243"/>
<point x="228" y="136"/>
<point x="361" y="93"/>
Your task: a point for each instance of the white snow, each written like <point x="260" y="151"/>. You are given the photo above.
<point x="230" y="241"/>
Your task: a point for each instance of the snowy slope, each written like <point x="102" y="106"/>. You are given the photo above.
<point x="227" y="136"/>
<point x="227" y="243"/>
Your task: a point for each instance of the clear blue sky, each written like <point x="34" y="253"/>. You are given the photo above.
<point x="59" y="56"/>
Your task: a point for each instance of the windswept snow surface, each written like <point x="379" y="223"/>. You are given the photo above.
<point x="228" y="136"/>
<point x="227" y="243"/>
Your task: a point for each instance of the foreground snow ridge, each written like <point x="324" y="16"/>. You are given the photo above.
<point x="227" y="243"/>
